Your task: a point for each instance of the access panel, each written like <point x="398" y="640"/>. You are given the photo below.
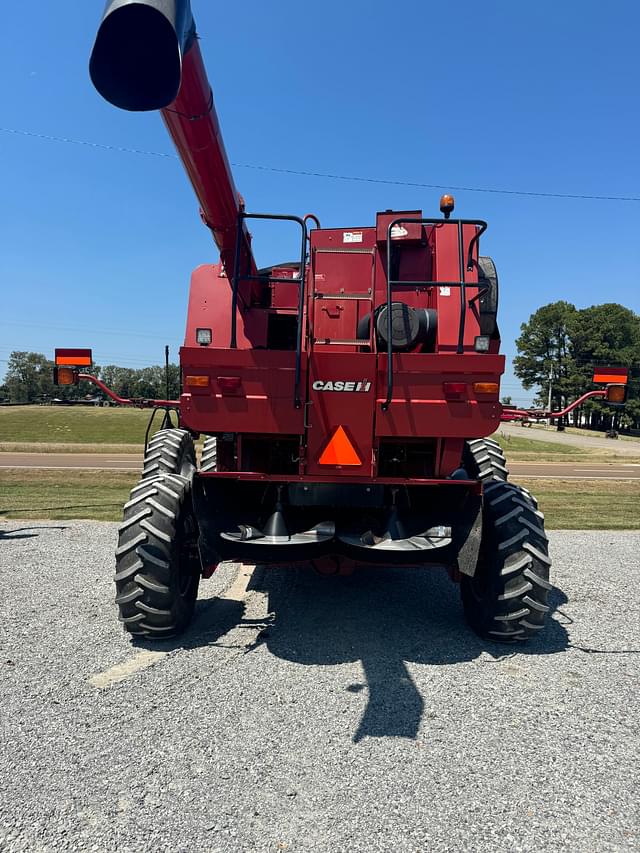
<point x="339" y="415"/>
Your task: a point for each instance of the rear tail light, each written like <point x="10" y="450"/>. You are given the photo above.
<point x="486" y="387"/>
<point x="229" y="384"/>
<point x="197" y="381"/>
<point x="454" y="390"/>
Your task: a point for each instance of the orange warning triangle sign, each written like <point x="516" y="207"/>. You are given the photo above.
<point x="340" y="451"/>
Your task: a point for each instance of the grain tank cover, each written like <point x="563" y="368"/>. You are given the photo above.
<point x="136" y="62"/>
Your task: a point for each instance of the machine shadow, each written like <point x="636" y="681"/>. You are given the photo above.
<point x="18" y="532"/>
<point x="383" y="618"/>
<point x="212" y="619"/>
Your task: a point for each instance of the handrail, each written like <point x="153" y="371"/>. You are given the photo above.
<point x="482" y="227"/>
<point x="237" y="277"/>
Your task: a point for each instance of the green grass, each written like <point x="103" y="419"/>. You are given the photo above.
<point x="515" y="446"/>
<point x="587" y="504"/>
<point x="64" y="495"/>
<point x="75" y="425"/>
<point x="520" y="449"/>
<point x="99" y="495"/>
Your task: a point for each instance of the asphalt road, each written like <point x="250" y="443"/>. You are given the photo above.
<point x="56" y="461"/>
<point x="573" y="471"/>
<point x="129" y="462"/>
<point x="303" y="713"/>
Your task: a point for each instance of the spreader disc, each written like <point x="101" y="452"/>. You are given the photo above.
<point x="323" y="532"/>
<point x="437" y="537"/>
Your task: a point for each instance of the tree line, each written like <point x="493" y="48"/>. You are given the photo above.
<point x="29" y="379"/>
<point x="560" y="345"/>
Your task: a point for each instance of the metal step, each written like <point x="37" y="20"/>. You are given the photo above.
<point x="354" y="297"/>
<point x="339" y="342"/>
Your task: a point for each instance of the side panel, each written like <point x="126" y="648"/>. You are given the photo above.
<point x="352" y="410"/>
<point x="419" y="407"/>
<point x="262" y="402"/>
<point x="210" y="308"/>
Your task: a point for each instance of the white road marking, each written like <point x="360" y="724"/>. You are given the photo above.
<point x="146" y="658"/>
<point x="571" y="477"/>
<point x="68" y="468"/>
<point x="142" y="660"/>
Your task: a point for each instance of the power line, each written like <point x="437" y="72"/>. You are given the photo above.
<point x="327" y="175"/>
<point x="86" y="330"/>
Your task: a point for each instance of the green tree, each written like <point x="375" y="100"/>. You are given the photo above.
<point x="609" y="335"/>
<point x="606" y="334"/>
<point x="148" y="382"/>
<point x="544" y="348"/>
<point x="122" y="380"/>
<point x="568" y="343"/>
<point x="29" y="377"/>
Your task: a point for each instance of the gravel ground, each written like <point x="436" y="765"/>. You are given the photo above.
<point x="315" y="714"/>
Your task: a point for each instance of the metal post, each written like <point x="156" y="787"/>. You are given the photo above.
<point x="166" y="369"/>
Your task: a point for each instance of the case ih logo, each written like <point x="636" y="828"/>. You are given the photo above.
<point x="341" y="385"/>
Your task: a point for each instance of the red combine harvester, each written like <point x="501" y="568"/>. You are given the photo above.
<point x="346" y="398"/>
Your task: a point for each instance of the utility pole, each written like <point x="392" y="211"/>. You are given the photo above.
<point x="166" y="369"/>
<point x="550" y="384"/>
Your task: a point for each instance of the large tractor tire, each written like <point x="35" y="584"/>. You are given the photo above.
<point x="170" y="451"/>
<point x="506" y="599"/>
<point x="157" y="563"/>
<point x="484" y="460"/>
<point x="209" y="460"/>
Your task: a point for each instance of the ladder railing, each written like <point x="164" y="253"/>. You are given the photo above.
<point x="481" y="226"/>
<point x="238" y="277"/>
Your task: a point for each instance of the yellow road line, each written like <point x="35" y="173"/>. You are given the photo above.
<point x="146" y="658"/>
<point x="238" y="589"/>
<point x="142" y="660"/>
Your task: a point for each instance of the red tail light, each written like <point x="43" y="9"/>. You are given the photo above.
<point x="454" y="390"/>
<point x="229" y="384"/>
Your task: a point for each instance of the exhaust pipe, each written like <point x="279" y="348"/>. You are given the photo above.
<point x="136" y="61"/>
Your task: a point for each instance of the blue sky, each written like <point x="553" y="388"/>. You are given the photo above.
<point x="96" y="246"/>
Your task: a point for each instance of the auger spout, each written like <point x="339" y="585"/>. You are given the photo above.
<point x="146" y="57"/>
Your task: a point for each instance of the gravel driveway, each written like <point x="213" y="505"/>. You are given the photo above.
<point x="315" y="714"/>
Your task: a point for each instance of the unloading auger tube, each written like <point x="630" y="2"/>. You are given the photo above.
<point x="146" y="56"/>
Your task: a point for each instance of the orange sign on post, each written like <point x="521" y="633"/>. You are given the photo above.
<point x="604" y="375"/>
<point x="340" y="450"/>
<point x="73" y="357"/>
